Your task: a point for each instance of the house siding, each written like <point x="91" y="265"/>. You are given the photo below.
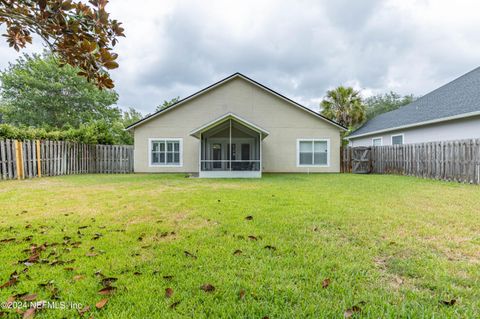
<point x="285" y="123"/>
<point x="459" y="129"/>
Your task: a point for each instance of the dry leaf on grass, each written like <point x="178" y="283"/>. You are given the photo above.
<point x="448" y="302"/>
<point x="101" y="303"/>
<point x="107" y="282"/>
<point x="107" y="290"/>
<point x="188" y="254"/>
<point x="9" y="283"/>
<point x="31" y="297"/>
<point x="325" y="282"/>
<point x="29" y="314"/>
<point x="84" y="310"/>
<point x="168" y="292"/>
<point x="355" y="309"/>
<point x="241" y="295"/>
<point x="208" y="288"/>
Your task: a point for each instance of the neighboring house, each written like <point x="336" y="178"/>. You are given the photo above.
<point x="236" y="128"/>
<point x="451" y="112"/>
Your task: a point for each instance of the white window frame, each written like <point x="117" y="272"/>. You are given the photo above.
<point x="377" y="138"/>
<point x="313" y="140"/>
<point x="172" y="139"/>
<point x="396" y="135"/>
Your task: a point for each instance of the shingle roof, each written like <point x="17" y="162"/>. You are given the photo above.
<point x="461" y="96"/>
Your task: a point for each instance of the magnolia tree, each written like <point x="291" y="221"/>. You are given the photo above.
<point x="79" y="33"/>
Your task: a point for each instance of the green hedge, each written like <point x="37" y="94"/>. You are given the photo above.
<point x="92" y="133"/>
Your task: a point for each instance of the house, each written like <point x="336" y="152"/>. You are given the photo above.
<point x="236" y="127"/>
<point x="451" y="112"/>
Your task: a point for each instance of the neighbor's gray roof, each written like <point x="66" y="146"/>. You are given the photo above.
<point x="458" y="97"/>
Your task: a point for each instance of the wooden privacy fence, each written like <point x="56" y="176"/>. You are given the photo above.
<point x="449" y="160"/>
<point x="27" y="159"/>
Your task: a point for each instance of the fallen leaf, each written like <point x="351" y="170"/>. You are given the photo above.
<point x="107" y="290"/>
<point x="351" y="311"/>
<point x="242" y="294"/>
<point x="249" y="217"/>
<point x="168" y="292"/>
<point x="101" y="303"/>
<point x="78" y="277"/>
<point x="31" y="297"/>
<point x="7" y="240"/>
<point x="208" y="288"/>
<point x="29" y="314"/>
<point x="449" y="302"/>
<point x="325" y="282"/>
<point x="252" y="237"/>
<point x="84" y="310"/>
<point x="174" y="305"/>
<point x="97" y="236"/>
<point x="188" y="254"/>
<point x="237" y="252"/>
<point x="34" y="258"/>
<point x="91" y="254"/>
<point x="107" y="282"/>
<point x="48" y="284"/>
<point x="9" y="283"/>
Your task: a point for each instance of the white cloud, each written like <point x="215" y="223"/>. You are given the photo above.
<point x="299" y="48"/>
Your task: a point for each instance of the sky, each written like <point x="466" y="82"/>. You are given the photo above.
<point x="299" y="48"/>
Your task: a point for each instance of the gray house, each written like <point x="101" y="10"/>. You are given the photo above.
<point x="236" y="127"/>
<point x="451" y="112"/>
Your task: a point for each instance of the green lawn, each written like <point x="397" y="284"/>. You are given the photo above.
<point x="390" y="246"/>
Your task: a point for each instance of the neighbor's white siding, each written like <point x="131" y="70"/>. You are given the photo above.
<point x="467" y="128"/>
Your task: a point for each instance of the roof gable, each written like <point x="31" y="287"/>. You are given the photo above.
<point x="457" y="99"/>
<point x="229" y="116"/>
<point x="229" y="78"/>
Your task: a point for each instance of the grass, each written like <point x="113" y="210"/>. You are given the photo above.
<point x="391" y="246"/>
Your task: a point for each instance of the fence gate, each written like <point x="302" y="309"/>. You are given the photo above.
<point x="361" y="160"/>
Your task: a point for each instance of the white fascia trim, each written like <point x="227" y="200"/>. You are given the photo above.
<point x="225" y="118"/>
<point x="313" y="140"/>
<point x="150" y="140"/>
<point x="222" y="82"/>
<point x="443" y="119"/>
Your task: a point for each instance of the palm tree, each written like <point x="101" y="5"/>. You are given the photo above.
<point x="345" y="106"/>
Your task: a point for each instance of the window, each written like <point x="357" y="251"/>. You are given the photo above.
<point x="313" y="152"/>
<point x="377" y="141"/>
<point x="397" y="139"/>
<point x="166" y="152"/>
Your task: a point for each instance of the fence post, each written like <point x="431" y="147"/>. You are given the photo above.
<point x="39" y="163"/>
<point x="19" y="156"/>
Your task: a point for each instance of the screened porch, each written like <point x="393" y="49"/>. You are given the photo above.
<point x="230" y="147"/>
